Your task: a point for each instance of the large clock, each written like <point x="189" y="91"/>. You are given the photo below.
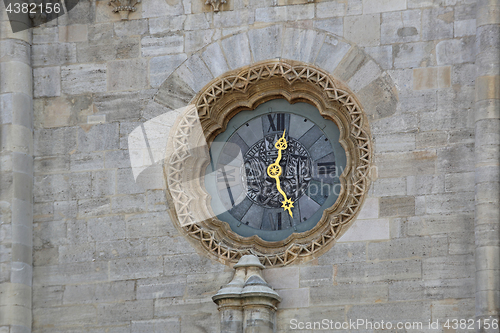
<point x="272" y="160"/>
<point x="292" y="140"/>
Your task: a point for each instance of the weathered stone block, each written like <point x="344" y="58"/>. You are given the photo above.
<point x="130" y="28"/>
<point x="334" y="25"/>
<point x="94" y="207"/>
<point x="149" y="225"/>
<point x="158" y="8"/>
<point x="329" y="9"/>
<point x="431" y="139"/>
<point x="379" y="271"/>
<point x="20" y="78"/>
<point x="71" y="273"/>
<point x="161" y="67"/>
<point x="294" y="298"/>
<point x="406" y="290"/>
<point x="381" y="6"/>
<point x="457" y="182"/>
<point x="103" y="183"/>
<point x="464" y="28"/>
<point x="366" y="230"/>
<point x="98" y="137"/>
<point x="47" y="82"/>
<point x="135" y="268"/>
<point x="123" y="312"/>
<point x="385" y="187"/>
<point x="73" y="33"/>
<point x="363" y="30"/>
<point x="313" y="276"/>
<point x="108" y="49"/>
<point x="437" y="23"/>
<point x="397" y="206"/>
<point x="381" y="54"/>
<point x="101" y="292"/>
<point x="127" y="75"/>
<point x="432" y="78"/>
<point x="195" y="73"/>
<point x="166" y="24"/>
<point x="66" y="315"/>
<point x="343" y="253"/>
<point x="174" y="93"/>
<point x="364" y="76"/>
<point x="350" y="293"/>
<point x="76" y="253"/>
<point x="172" y="325"/>
<point x="196" y="22"/>
<point x="352" y="61"/>
<point x="127" y="204"/>
<point x="282" y="278"/>
<point x="238" y="18"/>
<point x="410" y="163"/>
<point x="456" y="159"/>
<point x="46" y="234"/>
<point x="76" y="231"/>
<point x="106" y="228"/>
<point x="411" y="55"/>
<point x="458" y="266"/>
<point x="379" y="98"/>
<point x="398" y="311"/>
<point x="203" y="285"/>
<point x="125" y="248"/>
<point x="190" y="264"/>
<point x="154" y="46"/>
<point x="408" y="248"/>
<point x="266" y="43"/>
<point x="401" y="27"/>
<point x="237" y="50"/>
<point x="60" y="187"/>
<point x="331" y="54"/>
<point x="45" y="35"/>
<point x="80" y="79"/>
<point x="195" y="40"/>
<point x="168" y="246"/>
<point x="86" y="161"/>
<point x="455" y="51"/>
<point x="161" y="287"/>
<point x="425" y="184"/>
<point x="53" y="54"/>
<point x="47" y="296"/>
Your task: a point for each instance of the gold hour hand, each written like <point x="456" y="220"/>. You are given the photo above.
<point x="274" y="171"/>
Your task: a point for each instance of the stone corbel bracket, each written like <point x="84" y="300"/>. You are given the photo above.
<point x="124" y="7"/>
<point x="215" y="4"/>
<point x="247" y="303"/>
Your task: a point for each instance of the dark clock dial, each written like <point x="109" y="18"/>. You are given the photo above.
<point x="243" y="192"/>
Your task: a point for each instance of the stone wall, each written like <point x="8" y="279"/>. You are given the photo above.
<point x="106" y="255"/>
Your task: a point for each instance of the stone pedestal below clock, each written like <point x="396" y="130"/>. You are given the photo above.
<point x="247" y="303"/>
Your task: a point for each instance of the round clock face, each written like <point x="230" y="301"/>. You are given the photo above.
<point x="275" y="169"/>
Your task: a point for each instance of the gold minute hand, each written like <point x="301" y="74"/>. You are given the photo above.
<point x="274" y="171"/>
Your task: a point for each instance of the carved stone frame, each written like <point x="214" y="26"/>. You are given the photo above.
<point x="245" y="89"/>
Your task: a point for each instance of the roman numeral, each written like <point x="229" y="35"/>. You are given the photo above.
<point x="326" y="168"/>
<point x="276" y="122"/>
<point x="226" y="175"/>
<point x="225" y="179"/>
<point x="275" y="224"/>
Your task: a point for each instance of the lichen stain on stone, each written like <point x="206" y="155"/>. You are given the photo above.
<point x="424" y="155"/>
<point x="447" y="17"/>
<point x="407" y="32"/>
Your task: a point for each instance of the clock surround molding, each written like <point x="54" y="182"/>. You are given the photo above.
<point x="208" y="116"/>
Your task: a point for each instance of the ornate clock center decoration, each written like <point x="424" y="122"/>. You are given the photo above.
<point x="294" y="179"/>
<point x="255" y="196"/>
